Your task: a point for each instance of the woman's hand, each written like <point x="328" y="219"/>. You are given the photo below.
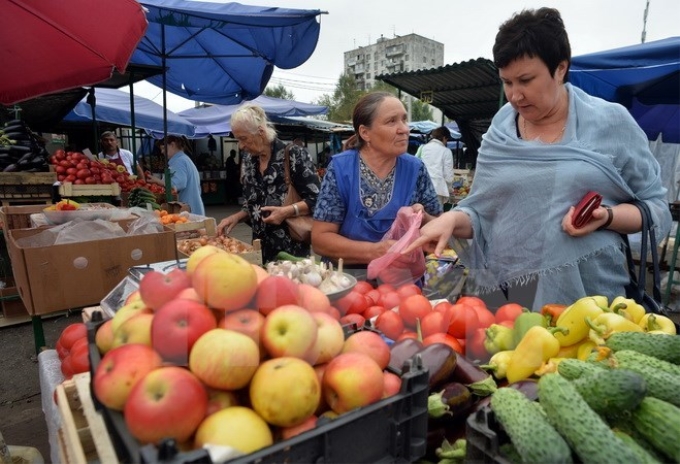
<point x="276" y="214"/>
<point x="434" y="236"/>
<point x="600" y="217"/>
<point x="227" y="224"/>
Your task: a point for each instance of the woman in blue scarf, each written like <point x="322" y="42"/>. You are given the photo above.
<point x="545" y="149"/>
<point x="365" y="186"/>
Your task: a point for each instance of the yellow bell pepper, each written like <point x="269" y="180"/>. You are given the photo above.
<point x="498" y="364"/>
<point x="608" y="323"/>
<point x="536" y="347"/>
<point x="569" y="351"/>
<point x="585" y="348"/>
<point x="657" y="323"/>
<point x="601" y="300"/>
<point x="628" y="308"/>
<point x="573" y="320"/>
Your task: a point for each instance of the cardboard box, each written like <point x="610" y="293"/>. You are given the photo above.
<point x="19" y="217"/>
<point x="12" y="306"/>
<point x="74" y="275"/>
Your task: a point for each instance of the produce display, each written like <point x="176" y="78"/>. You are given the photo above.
<point x="308" y="271"/>
<point x="208" y="244"/>
<point x="21" y="149"/>
<point x="142" y="197"/>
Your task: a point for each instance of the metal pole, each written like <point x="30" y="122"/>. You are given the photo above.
<point x="644" y="23"/>
<point x="166" y="174"/>
<point x="132" y="122"/>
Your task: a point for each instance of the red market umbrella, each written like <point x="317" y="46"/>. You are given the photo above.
<point x="51" y="46"/>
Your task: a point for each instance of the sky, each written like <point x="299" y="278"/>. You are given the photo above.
<point x="467" y="29"/>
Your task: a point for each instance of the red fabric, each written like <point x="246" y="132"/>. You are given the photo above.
<point x="51" y="46"/>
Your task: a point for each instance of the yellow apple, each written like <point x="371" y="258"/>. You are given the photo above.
<point x="289" y="330"/>
<point x="127" y="311"/>
<point x="238" y="427"/>
<point x="330" y="338"/>
<point x="225" y="281"/>
<point x="198" y="255"/>
<point x="220" y="399"/>
<point x="285" y="391"/>
<point x="104" y="337"/>
<point x="224" y="359"/>
<point x="136" y="329"/>
<point x="352" y="380"/>
<point x="260" y="272"/>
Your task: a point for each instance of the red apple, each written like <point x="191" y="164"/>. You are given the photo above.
<point x="220" y="399"/>
<point x="104" y="337"/>
<point x="260" y="272"/>
<point x="352" y="380"/>
<point x="369" y="343"/>
<point x="353" y="318"/>
<point x="313" y="299"/>
<point x="177" y="325"/>
<point x="246" y="321"/>
<point x="157" y="288"/>
<point x="225" y="281"/>
<point x="289" y="330"/>
<point x="392" y="384"/>
<point x="289" y="432"/>
<point x="285" y="391"/>
<point x="189" y="294"/>
<point x="330" y="338"/>
<point x="169" y="402"/>
<point x="119" y="370"/>
<point x="224" y="359"/>
<point x="275" y="291"/>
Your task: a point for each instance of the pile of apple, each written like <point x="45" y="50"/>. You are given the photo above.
<point x="224" y="354"/>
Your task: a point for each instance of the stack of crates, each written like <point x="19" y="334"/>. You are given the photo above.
<point x="17" y="188"/>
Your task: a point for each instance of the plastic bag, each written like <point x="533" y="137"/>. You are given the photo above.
<point x="394" y="268"/>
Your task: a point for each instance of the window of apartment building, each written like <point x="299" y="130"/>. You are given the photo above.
<point x="406" y="57"/>
<point x="368" y="75"/>
<point x="424" y="60"/>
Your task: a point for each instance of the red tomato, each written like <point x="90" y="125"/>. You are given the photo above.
<point x="390" y="324"/>
<point x="386" y="288"/>
<point x="445" y="339"/>
<point x="66" y="368"/>
<point x="414" y="307"/>
<point x="486" y="317"/>
<point x="462" y="319"/>
<point x="463" y="344"/>
<point x="80" y="360"/>
<point x="352" y="303"/>
<point x="432" y="323"/>
<point x="71" y="334"/>
<point x="474" y="348"/>
<point x="407" y="334"/>
<point x="353" y="318"/>
<point x="508" y="312"/>
<point x="390" y="300"/>
<point x="374" y="295"/>
<point x="61" y="351"/>
<point x="409" y="289"/>
<point x="60" y="154"/>
<point x="373" y="311"/>
<point x="363" y="287"/>
<point x="442" y="306"/>
<point x="471" y="300"/>
<point x="78" y="344"/>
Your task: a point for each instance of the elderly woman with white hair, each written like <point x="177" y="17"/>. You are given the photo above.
<point x="264" y="186"/>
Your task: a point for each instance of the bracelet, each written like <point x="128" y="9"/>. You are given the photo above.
<point x="296" y="209"/>
<point x="610" y="217"/>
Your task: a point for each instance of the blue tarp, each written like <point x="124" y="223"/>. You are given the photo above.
<point x="113" y="106"/>
<point x="216" y="119"/>
<point x="645" y="78"/>
<point x="223" y="53"/>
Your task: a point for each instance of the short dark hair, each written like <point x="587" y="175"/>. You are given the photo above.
<point x="364" y="112"/>
<point x="533" y="33"/>
<point x="440" y="133"/>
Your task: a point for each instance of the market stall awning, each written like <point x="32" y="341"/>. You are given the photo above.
<point x="113" y="106"/>
<point x="223" y="53"/>
<point x="49" y="46"/>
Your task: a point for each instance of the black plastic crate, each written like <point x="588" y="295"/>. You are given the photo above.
<point x="393" y="430"/>
<point x="484" y="437"/>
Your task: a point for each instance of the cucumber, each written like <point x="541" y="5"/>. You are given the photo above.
<point x="583" y="429"/>
<point x="660" y="384"/>
<point x="639" y="451"/>
<point x="532" y="436"/>
<point x="612" y="392"/>
<point x="657" y="363"/>
<point x="666" y="347"/>
<point x="284" y="256"/>
<point x="572" y="368"/>
<point x="659" y="422"/>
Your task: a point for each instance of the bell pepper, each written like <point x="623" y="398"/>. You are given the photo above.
<point x="606" y="324"/>
<point x="548" y="367"/>
<point x="498" y="364"/>
<point x="525" y="321"/>
<point x="537" y="346"/>
<point x="657" y="323"/>
<point x="628" y="308"/>
<point x="573" y="320"/>
<point x="585" y="348"/>
<point x="569" y="351"/>
<point x="601" y="300"/>
<point x="552" y="311"/>
<point x="499" y="338"/>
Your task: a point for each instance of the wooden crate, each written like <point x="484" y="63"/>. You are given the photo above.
<point x="82" y="436"/>
<point x="30" y="187"/>
<point x="254" y="256"/>
<point x="19" y="217"/>
<point x="194" y="229"/>
<point x="68" y="189"/>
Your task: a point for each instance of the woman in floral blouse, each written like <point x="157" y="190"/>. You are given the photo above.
<point x="264" y="188"/>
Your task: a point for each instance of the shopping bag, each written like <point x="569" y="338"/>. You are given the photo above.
<point x="394" y="268"/>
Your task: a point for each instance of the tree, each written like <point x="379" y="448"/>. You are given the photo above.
<point x="420" y="111"/>
<point x="279" y="91"/>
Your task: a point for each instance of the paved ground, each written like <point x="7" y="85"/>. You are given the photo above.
<point x="22" y="421"/>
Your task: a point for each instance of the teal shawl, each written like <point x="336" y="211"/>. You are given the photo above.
<point x="522" y="189"/>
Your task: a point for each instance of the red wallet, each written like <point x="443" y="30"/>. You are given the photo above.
<point x="584" y="210"/>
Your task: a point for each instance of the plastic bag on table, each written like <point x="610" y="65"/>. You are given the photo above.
<point x="393" y="267"/>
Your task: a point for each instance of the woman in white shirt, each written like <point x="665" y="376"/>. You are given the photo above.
<point x="439" y="162"/>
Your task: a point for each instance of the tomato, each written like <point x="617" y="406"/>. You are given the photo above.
<point x="462" y="319"/>
<point x="432" y="323"/>
<point x="474" y="348"/>
<point x="414" y="307"/>
<point x="409" y="289"/>
<point x="71" y="334"/>
<point x="59" y="154"/>
<point x="90" y="180"/>
<point x="373" y="311"/>
<point x="66" y="367"/>
<point x="386" y="288"/>
<point x="390" y="324"/>
<point x="71" y="171"/>
<point x="374" y="295"/>
<point x="66" y="163"/>
<point x="353" y="318"/>
<point x="407" y="334"/>
<point x="471" y="300"/>
<point x="508" y="312"/>
<point x="445" y="339"/>
<point x="390" y="300"/>
<point x="80" y="360"/>
<point x="107" y="179"/>
<point x="352" y="303"/>
<point x="60" y="169"/>
<point x="442" y="306"/>
<point x="70" y="178"/>
<point x="363" y="287"/>
<point x="486" y="317"/>
<point x="61" y="351"/>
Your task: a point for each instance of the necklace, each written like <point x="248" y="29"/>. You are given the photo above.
<point x="526" y="133"/>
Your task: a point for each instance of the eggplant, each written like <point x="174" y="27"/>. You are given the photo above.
<point x="11" y="168"/>
<point x="452" y="402"/>
<point x="440" y="361"/>
<point x="479" y="381"/>
<point x="529" y="387"/>
<point x="402" y="351"/>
